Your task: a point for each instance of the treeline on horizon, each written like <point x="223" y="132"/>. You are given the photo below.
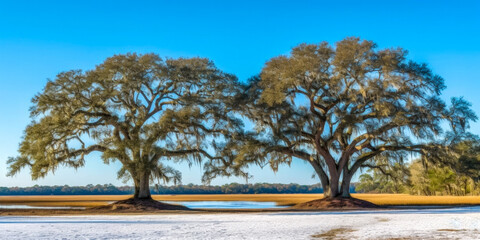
<point x="417" y="179"/>
<point x="110" y="189"/>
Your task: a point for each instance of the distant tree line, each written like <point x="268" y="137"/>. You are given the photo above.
<point x="420" y="180"/>
<point x="109" y="189"/>
<point x="460" y="175"/>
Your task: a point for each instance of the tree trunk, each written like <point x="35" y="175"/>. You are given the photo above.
<point x="332" y="188"/>
<point x="333" y="192"/>
<point x="345" y="190"/>
<point x="331" y="184"/>
<point x="142" y="187"/>
<point x="326" y="191"/>
<point x="323" y="178"/>
<point x="135" y="185"/>
<point x="449" y="189"/>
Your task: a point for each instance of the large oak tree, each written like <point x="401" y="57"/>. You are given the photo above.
<point x="340" y="109"/>
<point x="140" y="110"/>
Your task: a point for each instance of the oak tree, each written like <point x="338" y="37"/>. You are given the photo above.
<point x="340" y="109"/>
<point x="140" y="110"/>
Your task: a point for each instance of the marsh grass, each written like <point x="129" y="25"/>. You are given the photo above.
<point x="280" y="199"/>
<point x="406" y="199"/>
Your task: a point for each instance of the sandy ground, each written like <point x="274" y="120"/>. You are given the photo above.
<point x="403" y="224"/>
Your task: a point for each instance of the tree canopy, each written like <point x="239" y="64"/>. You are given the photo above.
<point x="341" y="108"/>
<point x="140" y="110"/>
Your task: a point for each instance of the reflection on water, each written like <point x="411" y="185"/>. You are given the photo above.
<point x="189" y="204"/>
<point x="36" y="207"/>
<point x="228" y="204"/>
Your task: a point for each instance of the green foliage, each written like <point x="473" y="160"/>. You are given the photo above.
<point x="137" y="109"/>
<point x="381" y="183"/>
<point x="457" y="176"/>
<point x="342" y="108"/>
<point x="438" y="180"/>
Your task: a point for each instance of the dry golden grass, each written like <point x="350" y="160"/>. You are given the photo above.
<point x="280" y="199"/>
<point x="406" y="199"/>
<point x="69" y="200"/>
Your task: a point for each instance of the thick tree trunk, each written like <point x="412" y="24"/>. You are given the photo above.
<point x="142" y="187"/>
<point x="345" y="190"/>
<point x="326" y="190"/>
<point x="333" y="189"/>
<point x="323" y="178"/>
<point x="331" y="182"/>
<point x="136" y="186"/>
<point x="334" y="184"/>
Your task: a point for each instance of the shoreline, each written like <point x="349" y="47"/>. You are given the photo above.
<point x="93" y="212"/>
<point x="384" y="201"/>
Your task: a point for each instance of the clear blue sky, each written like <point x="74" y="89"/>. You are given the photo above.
<point x="39" y="39"/>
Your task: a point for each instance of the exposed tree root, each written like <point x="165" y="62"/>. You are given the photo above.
<point x="132" y="204"/>
<point x="335" y="203"/>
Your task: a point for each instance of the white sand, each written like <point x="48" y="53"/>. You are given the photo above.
<point x="432" y="224"/>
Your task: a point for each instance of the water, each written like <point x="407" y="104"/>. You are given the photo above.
<point x="35" y="207"/>
<point x="189" y="204"/>
<point x="228" y="204"/>
<point x="264" y="205"/>
<point x="396" y="210"/>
